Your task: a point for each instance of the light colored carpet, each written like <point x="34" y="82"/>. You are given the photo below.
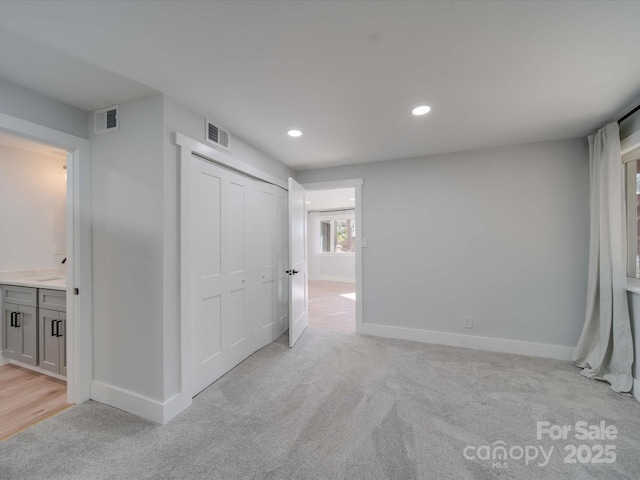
<point x="341" y="406"/>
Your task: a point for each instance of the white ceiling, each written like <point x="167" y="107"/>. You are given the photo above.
<point x="331" y="199"/>
<point x="20" y="143"/>
<point x="346" y="73"/>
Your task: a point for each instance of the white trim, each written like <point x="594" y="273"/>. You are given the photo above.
<point x="225" y="159"/>
<point x="357" y="184"/>
<point x="632" y="227"/>
<point x="558" y="352"/>
<point x="186" y="373"/>
<point x="335" y="184"/>
<point x="633" y="285"/>
<point x="145" y="407"/>
<point x="630" y="147"/>
<point x="79" y="269"/>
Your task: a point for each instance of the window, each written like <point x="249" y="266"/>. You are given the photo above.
<point x="338" y="236"/>
<point x="633" y="219"/>
<point x="630" y="147"/>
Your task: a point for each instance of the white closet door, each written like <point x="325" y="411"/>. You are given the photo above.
<point x="208" y="252"/>
<point x="236" y="230"/>
<point x="238" y="255"/>
<point x="282" y="226"/>
<point x="264" y="311"/>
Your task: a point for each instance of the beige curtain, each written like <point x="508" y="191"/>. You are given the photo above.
<point x="605" y="348"/>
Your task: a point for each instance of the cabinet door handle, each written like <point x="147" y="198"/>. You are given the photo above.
<point x="53" y="332"/>
<point x="58" y="334"/>
<point x="17" y="323"/>
<point x="13" y="319"/>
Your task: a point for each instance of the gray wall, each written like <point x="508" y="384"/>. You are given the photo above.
<point x="630" y="125"/>
<point x="34" y="107"/>
<point x="127" y="189"/>
<point x="500" y="234"/>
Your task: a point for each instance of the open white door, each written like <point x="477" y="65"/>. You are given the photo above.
<point x="298" y="292"/>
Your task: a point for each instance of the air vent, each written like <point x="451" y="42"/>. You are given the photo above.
<point x="216" y="136"/>
<point x="106" y="120"/>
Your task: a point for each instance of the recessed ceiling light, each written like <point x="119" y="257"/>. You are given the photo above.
<point x="308" y="202"/>
<point x="421" y="110"/>
<point x="352" y="199"/>
<point x="294" y="133"/>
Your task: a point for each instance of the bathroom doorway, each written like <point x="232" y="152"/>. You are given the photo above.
<point x="33" y="192"/>
<point x="76" y="325"/>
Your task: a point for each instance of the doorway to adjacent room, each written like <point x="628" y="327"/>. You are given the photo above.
<point x="332" y="234"/>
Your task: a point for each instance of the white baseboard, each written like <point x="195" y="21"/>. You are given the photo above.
<point x="331" y="278"/>
<point x="158" y="412"/>
<point x="557" y="352"/>
<point x="635" y="389"/>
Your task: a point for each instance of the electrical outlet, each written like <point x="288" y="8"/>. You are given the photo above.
<point x="57" y="249"/>
<point x="467" y="322"/>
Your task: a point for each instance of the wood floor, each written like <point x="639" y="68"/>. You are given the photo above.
<point x="332" y="305"/>
<point x="27" y="397"/>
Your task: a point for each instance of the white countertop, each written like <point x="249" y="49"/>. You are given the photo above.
<point x="59" y="283"/>
<point x="49" y="278"/>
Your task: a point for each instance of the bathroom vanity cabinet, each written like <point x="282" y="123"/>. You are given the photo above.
<point x="34" y="324"/>
<point x="52" y="319"/>
<point x="20" y="324"/>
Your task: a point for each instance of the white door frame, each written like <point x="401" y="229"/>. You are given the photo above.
<point x="79" y="332"/>
<point x="357" y="184"/>
<point x="188" y="147"/>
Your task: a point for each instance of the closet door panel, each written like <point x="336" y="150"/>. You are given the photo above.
<point x="207" y="271"/>
<point x="282" y="259"/>
<point x="237" y="331"/>
<point x="265" y="229"/>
